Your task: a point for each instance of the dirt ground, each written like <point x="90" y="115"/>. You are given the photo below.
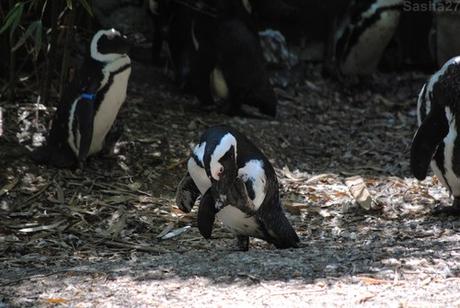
<point x="90" y="238"/>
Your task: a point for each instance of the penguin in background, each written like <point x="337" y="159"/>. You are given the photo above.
<point x="237" y="184"/>
<point x="174" y="24"/>
<point x="90" y="103"/>
<point x="436" y="141"/>
<point x="216" y="55"/>
<point x="365" y="33"/>
<point x="231" y="66"/>
<point x="240" y="75"/>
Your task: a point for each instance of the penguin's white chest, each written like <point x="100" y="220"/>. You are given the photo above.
<point x="365" y="55"/>
<point x="450" y="151"/>
<point x="108" y="110"/>
<point x="239" y="222"/>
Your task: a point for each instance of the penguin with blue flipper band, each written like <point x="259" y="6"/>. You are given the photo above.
<point x="238" y="185"/>
<point x="436" y="141"/>
<point x="90" y="103"/>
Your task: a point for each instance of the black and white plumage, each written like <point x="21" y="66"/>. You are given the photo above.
<point x="436" y="140"/>
<point x="216" y="54"/>
<point x="365" y="34"/>
<point x="239" y="186"/>
<point x="90" y="104"/>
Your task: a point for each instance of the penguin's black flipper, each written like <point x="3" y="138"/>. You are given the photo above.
<point x="427" y="138"/>
<point x="206" y="214"/>
<point x="85" y="116"/>
<point x="186" y="194"/>
<point x="278" y="228"/>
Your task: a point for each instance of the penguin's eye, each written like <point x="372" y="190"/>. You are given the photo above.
<point x="221" y="170"/>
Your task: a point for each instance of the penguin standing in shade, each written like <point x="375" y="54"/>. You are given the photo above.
<point x="216" y="54"/>
<point x="90" y="103"/>
<point x="437" y="138"/>
<point x="365" y="34"/>
<point x="237" y="184"/>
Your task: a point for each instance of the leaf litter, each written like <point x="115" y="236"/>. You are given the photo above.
<point x="112" y="233"/>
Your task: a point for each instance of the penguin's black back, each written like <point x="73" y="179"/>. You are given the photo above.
<point x="89" y="72"/>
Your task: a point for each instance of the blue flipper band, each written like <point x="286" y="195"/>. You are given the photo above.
<point x="88" y="96"/>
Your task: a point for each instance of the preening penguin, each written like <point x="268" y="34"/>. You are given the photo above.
<point x="237" y="184"/>
<point x="90" y="103"/>
<point x="366" y="33"/>
<point x="436" y="140"/>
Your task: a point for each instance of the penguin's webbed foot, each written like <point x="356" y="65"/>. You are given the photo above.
<point x="453" y="210"/>
<point x="242" y="243"/>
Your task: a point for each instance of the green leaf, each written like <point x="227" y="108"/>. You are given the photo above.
<point x="28" y="33"/>
<point x="87" y="6"/>
<point x="13" y="15"/>
<point x="44" y="8"/>
<point x="38" y="39"/>
<point x="69" y="4"/>
<point x="17" y="18"/>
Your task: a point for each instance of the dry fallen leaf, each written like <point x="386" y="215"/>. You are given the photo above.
<point x="8" y="187"/>
<point x="366" y="297"/>
<point x="117" y="222"/>
<point x="295" y="208"/>
<point x="166" y="230"/>
<point x="372" y="281"/>
<point x="175" y="233"/>
<point x="41" y="228"/>
<point x="56" y="300"/>
<point x="359" y="191"/>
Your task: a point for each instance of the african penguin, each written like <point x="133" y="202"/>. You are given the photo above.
<point x="90" y="103"/>
<point x="242" y="70"/>
<point x="368" y="30"/>
<point x="436" y="140"/>
<point x="237" y="74"/>
<point x="237" y="184"/>
<point x="216" y="55"/>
